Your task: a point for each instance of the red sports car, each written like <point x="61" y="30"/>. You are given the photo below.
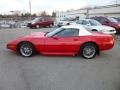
<point x="67" y="40"/>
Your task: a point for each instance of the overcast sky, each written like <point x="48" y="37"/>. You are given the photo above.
<point x="50" y="5"/>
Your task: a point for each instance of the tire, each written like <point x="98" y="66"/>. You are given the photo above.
<point x="68" y="24"/>
<point x="37" y="26"/>
<point x="88" y="50"/>
<point x="26" y="49"/>
<point x="94" y="30"/>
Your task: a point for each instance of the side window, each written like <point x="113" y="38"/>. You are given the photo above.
<point x="68" y="32"/>
<point x="42" y="20"/>
<point x="84" y="22"/>
<point x="79" y="22"/>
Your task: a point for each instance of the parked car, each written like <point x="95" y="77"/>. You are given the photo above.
<point x="41" y="22"/>
<point x="109" y="22"/>
<point x="65" y="21"/>
<point x="5" y="25"/>
<point x="67" y="40"/>
<point x="93" y="25"/>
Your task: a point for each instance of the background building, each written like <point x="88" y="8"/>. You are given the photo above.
<point x="109" y="10"/>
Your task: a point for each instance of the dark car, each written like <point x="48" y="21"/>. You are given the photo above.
<point x="41" y="22"/>
<point x="108" y="21"/>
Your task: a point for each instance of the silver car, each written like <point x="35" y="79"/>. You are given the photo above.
<point x="94" y="25"/>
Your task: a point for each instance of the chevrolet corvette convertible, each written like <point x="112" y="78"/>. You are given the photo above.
<point x="67" y="40"/>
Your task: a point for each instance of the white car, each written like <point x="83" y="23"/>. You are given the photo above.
<point x="94" y="25"/>
<point x="65" y="21"/>
<point x="5" y="25"/>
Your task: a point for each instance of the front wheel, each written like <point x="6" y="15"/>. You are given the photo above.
<point x="26" y="49"/>
<point x="37" y="26"/>
<point x="88" y="50"/>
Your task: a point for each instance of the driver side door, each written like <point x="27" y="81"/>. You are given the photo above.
<point x="65" y="41"/>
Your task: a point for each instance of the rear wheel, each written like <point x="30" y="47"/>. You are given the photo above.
<point x="26" y="49"/>
<point x="51" y="25"/>
<point x="88" y="50"/>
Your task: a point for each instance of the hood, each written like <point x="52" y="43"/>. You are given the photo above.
<point x="102" y="27"/>
<point x="36" y="34"/>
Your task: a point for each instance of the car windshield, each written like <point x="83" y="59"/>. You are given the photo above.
<point x="113" y="20"/>
<point x="36" y="19"/>
<point x="53" y="32"/>
<point x="118" y="19"/>
<point x="94" y="23"/>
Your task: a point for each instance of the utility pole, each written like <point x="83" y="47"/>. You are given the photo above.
<point x="87" y="12"/>
<point x="30" y="8"/>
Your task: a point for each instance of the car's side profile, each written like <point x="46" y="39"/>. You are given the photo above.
<point x="94" y="25"/>
<point x="108" y="21"/>
<point x="67" y="40"/>
<point x="41" y="22"/>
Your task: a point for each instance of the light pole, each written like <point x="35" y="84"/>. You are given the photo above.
<point x="30" y="8"/>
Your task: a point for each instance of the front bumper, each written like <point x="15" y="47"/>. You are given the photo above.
<point x="11" y="47"/>
<point x="29" y="25"/>
<point x="109" y="32"/>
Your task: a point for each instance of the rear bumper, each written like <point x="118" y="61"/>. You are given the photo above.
<point x="107" y="45"/>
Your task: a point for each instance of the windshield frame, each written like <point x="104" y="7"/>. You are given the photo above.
<point x="52" y="33"/>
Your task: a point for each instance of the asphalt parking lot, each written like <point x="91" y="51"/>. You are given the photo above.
<point x="56" y="72"/>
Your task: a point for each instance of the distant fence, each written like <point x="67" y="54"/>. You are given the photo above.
<point x="17" y="18"/>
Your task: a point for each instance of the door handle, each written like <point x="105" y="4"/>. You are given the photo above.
<point x="55" y="38"/>
<point x="75" y="39"/>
